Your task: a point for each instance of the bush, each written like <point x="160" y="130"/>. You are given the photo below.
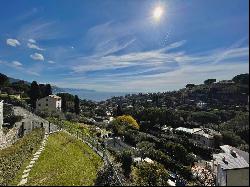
<point x="129" y="120"/>
<point x="12" y="158"/>
<point x="126" y="160"/>
<point x="147" y="174"/>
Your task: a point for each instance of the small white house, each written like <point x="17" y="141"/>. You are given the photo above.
<point x="50" y="103"/>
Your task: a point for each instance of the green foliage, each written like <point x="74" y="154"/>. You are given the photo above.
<point x="231" y="138"/>
<point x="77" y="104"/>
<point x="4" y="80"/>
<point x="34" y="93"/>
<point x="242" y="79"/>
<point x="66" y="161"/>
<point x="209" y="81"/>
<point x="236" y="131"/>
<point x="205" y="117"/>
<point x="126" y="160"/>
<point x="178" y="151"/>
<point x="106" y="177"/>
<point x="66" y="100"/>
<point x="12" y="158"/>
<point x="128" y="120"/>
<point x="12" y="119"/>
<point x="147" y="174"/>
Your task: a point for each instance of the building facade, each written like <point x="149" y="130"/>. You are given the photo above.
<point x="231" y="167"/>
<point x="50" y="103"/>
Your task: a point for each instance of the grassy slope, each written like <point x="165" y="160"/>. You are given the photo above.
<point x="65" y="161"/>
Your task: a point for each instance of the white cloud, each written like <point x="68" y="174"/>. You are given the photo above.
<point x="159" y="69"/>
<point x="17" y="63"/>
<point x="51" y="62"/>
<point x="12" y="42"/>
<point x="37" y="56"/>
<point x="32" y="40"/>
<point x="34" y="46"/>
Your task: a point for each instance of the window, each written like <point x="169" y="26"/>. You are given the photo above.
<point x="39" y="104"/>
<point x="46" y="104"/>
<point x="46" y="99"/>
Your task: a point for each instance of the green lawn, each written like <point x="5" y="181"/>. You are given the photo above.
<point x="65" y="161"/>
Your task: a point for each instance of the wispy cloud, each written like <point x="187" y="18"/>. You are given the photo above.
<point x="18" y="66"/>
<point x="51" y="62"/>
<point x="17" y="63"/>
<point x="159" y="69"/>
<point x="38" y="30"/>
<point x="32" y="40"/>
<point x="34" y="46"/>
<point x="12" y="42"/>
<point x="37" y="56"/>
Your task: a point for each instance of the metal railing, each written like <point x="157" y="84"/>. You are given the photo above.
<point x="98" y="147"/>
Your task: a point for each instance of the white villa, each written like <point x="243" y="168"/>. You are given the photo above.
<point x="50" y="103"/>
<point x="202" y="136"/>
<point x="231" y="167"/>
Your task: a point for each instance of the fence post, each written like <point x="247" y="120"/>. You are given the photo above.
<point x="49" y="127"/>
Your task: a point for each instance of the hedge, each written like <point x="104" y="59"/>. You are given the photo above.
<point x="12" y="158"/>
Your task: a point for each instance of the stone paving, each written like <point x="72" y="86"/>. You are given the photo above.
<point x="36" y="156"/>
<point x="26" y="172"/>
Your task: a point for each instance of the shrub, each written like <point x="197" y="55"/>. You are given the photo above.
<point x="147" y="174"/>
<point x="12" y="158"/>
<point x="127" y="119"/>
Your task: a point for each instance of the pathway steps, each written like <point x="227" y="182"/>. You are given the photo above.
<point x="26" y="172"/>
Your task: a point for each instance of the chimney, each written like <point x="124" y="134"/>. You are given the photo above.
<point x="233" y="153"/>
<point x="224" y="160"/>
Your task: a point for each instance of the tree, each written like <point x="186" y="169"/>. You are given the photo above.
<point x="145" y="148"/>
<point x="119" y="110"/>
<point x="190" y="85"/>
<point x="34" y="93"/>
<point x="66" y="98"/>
<point x="77" y="104"/>
<point x="209" y="81"/>
<point x="3" y="79"/>
<point x="150" y="174"/>
<point x="128" y="120"/>
<point x="48" y="90"/>
<point x="242" y="79"/>
<point x="126" y="160"/>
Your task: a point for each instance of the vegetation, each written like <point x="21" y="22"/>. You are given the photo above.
<point x="12" y="158"/>
<point x="147" y="174"/>
<point x="128" y="120"/>
<point x="78" y="166"/>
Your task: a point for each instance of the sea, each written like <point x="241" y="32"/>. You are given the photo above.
<point x="95" y="95"/>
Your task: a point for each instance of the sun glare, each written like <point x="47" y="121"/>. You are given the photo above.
<point x="157" y="13"/>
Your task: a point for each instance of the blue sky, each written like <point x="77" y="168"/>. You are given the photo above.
<point x="117" y="45"/>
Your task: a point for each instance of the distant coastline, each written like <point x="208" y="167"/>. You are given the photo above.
<point x="90" y="94"/>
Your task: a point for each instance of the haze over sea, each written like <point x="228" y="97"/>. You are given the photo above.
<point x="95" y="95"/>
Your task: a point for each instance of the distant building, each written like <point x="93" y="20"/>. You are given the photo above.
<point x="50" y="103"/>
<point x="231" y="167"/>
<point x="140" y="159"/>
<point x="201" y="105"/>
<point x="202" y="136"/>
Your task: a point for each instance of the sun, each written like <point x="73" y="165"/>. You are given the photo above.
<point x="157" y="13"/>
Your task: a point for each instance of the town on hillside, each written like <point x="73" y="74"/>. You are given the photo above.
<point x="198" y="135"/>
